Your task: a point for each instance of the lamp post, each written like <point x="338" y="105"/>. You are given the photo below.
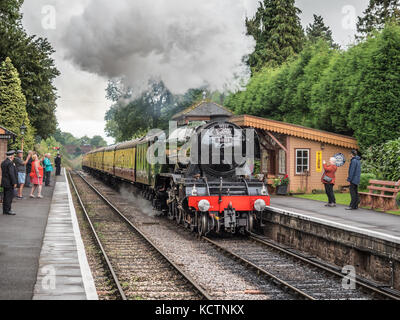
<point x="22" y="131"/>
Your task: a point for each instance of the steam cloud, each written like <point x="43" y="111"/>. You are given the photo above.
<point x="187" y="44"/>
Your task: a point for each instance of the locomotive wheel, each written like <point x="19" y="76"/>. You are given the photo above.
<point x="250" y="222"/>
<point x="202" y="224"/>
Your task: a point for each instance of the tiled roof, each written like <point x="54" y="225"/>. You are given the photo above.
<point x="6" y="131"/>
<point x="204" y="108"/>
<point x="295" y="130"/>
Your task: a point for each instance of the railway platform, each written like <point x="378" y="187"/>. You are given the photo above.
<point x="41" y="251"/>
<point x="365" y="240"/>
<point x="368" y="222"/>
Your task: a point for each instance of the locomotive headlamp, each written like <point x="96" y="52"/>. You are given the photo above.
<point x="204" y="205"/>
<point x="260" y="205"/>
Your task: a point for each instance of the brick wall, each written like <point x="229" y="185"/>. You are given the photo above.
<point x="313" y="181"/>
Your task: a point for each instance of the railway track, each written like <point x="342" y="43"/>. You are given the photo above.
<point x="138" y="267"/>
<point x="302" y="276"/>
<point x="294" y="273"/>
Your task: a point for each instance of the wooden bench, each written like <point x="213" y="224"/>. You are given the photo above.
<point x="385" y="199"/>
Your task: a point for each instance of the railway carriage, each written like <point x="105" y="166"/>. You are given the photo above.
<point x="204" y="195"/>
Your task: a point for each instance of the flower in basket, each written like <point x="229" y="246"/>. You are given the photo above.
<point x="281" y="182"/>
<point x="285" y="181"/>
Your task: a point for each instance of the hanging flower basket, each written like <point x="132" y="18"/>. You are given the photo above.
<point x="281" y="185"/>
<point x="282" y="190"/>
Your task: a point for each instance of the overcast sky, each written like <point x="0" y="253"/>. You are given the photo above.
<point x="186" y="43"/>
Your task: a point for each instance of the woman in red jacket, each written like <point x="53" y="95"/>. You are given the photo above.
<point x="328" y="179"/>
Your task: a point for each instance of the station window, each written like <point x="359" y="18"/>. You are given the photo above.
<point x="282" y="162"/>
<point x="302" y="161"/>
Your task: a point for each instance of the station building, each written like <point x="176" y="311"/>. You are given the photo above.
<point x="297" y="151"/>
<point x="285" y="149"/>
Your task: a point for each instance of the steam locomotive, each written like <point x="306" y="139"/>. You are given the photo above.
<point x="205" y="182"/>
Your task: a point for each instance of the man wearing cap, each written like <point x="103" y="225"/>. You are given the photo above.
<point x="57" y="162"/>
<point x="20" y="165"/>
<point x="8" y="182"/>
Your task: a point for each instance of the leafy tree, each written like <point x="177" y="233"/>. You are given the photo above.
<point x="377" y="14"/>
<point x="98" y="141"/>
<point x="85" y="140"/>
<point x="318" y="30"/>
<point x="263" y="95"/>
<point x="354" y="92"/>
<point x="375" y="112"/>
<point x="10" y="11"/>
<point x="278" y="33"/>
<point x="31" y="56"/>
<point x="152" y="109"/>
<point x="13" y="105"/>
<point x="383" y="160"/>
<point x="329" y="99"/>
<point x="303" y="74"/>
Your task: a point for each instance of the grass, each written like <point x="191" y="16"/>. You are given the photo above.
<point x="341" y="198"/>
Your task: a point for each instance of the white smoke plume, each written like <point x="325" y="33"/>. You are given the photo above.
<point x="187" y="44"/>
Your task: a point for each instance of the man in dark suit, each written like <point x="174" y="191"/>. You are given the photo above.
<point x="8" y="182"/>
<point x="57" y="162"/>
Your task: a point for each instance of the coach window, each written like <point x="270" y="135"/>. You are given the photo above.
<point x="302" y="161"/>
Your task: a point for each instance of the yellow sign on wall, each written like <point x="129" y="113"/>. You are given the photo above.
<point x="319" y="161"/>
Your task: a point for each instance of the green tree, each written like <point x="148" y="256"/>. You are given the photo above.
<point x="32" y="57"/>
<point x="98" y="141"/>
<point x="375" y="112"/>
<point x="383" y="160"/>
<point x="10" y="11"/>
<point x="278" y="33"/>
<point x="303" y="74"/>
<point x="13" y="105"/>
<point x="378" y="13"/>
<point x="152" y="109"/>
<point x="318" y="30"/>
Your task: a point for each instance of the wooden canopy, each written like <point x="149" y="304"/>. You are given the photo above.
<point x="295" y="130"/>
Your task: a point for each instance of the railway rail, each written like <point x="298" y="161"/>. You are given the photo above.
<point x="309" y="279"/>
<point x="301" y="276"/>
<point x="138" y="267"/>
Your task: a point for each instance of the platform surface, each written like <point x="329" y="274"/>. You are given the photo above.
<point x="63" y="272"/>
<point x="372" y="223"/>
<point x="21" y="239"/>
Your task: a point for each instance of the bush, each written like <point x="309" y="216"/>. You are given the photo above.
<point x="383" y="160"/>
<point x="364" y="182"/>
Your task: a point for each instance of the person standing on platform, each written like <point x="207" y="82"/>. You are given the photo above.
<point x="354" y="179"/>
<point x="8" y="182"/>
<point x="57" y="162"/>
<point x="28" y="170"/>
<point x="36" y="176"/>
<point x="48" y="168"/>
<point x="328" y="179"/>
<point x="20" y="165"/>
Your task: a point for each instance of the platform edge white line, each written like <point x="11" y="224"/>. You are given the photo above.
<point x="87" y="277"/>
<point x="365" y="232"/>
